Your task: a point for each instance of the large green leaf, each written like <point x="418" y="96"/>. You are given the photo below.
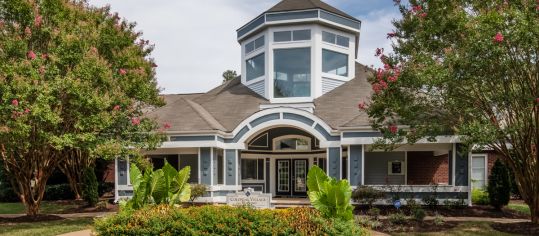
<point x="158" y="185"/>
<point x="135" y="175"/>
<point x="182" y="189"/>
<point x="315" y="179"/>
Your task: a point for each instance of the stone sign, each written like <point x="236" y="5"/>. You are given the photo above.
<point x="249" y="197"/>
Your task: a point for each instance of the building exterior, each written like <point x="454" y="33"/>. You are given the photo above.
<point x="294" y="107"/>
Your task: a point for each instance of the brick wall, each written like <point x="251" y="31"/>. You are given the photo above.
<point x="424" y="168"/>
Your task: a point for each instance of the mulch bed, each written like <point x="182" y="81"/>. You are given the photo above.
<point x="28" y="219"/>
<point x="414" y="226"/>
<point x="526" y="228"/>
<point x="474" y="211"/>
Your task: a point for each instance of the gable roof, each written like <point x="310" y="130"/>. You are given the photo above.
<point x="226" y="106"/>
<point x="295" y="5"/>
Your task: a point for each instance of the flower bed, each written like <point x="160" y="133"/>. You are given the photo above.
<point x="223" y="220"/>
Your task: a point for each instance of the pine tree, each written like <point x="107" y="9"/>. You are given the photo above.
<point x="499" y="185"/>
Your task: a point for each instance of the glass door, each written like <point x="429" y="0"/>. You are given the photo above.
<point x="299" y="176"/>
<point x="283" y="177"/>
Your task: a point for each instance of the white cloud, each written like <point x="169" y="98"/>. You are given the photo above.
<point x="374" y="29"/>
<point x="196" y="40"/>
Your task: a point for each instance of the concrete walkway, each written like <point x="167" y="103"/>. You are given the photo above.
<point x="70" y="216"/>
<point x="78" y="233"/>
<point x="484" y="219"/>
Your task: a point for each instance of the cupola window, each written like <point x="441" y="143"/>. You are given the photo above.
<point x="292" y="69"/>
<point x="335" y="39"/>
<point x="334" y="63"/>
<point x="254" y="45"/>
<point x="255" y="67"/>
<point x="295" y="35"/>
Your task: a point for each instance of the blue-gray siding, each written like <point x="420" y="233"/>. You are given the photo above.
<point x="325" y="133"/>
<point x="265" y="118"/>
<point x="356" y="157"/>
<point x="340" y="20"/>
<point x="230" y="156"/>
<point x="191" y="138"/>
<point x="292" y="15"/>
<point x="205" y="165"/>
<point x="377" y="163"/>
<point x="302" y="119"/>
<point x="334" y="162"/>
<point x="258" y="87"/>
<point x="330" y="84"/>
<point x="461" y="166"/>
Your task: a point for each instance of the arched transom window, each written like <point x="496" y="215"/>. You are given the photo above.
<point x="292" y="143"/>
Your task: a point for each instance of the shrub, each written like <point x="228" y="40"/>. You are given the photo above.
<point x="105" y="187"/>
<point x="367" y="222"/>
<point x="90" y="186"/>
<point x="430" y="201"/>
<point x="480" y="197"/>
<point x="328" y="195"/>
<point x="7" y="194"/>
<point x="397" y="218"/>
<point x="419" y="214"/>
<point x="367" y="195"/>
<point x="499" y="185"/>
<point x="374" y="213"/>
<point x="412" y="204"/>
<point x="438" y="219"/>
<point x="197" y="190"/>
<point x="58" y="192"/>
<point x="222" y="220"/>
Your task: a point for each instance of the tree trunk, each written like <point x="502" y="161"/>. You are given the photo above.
<point x="72" y="166"/>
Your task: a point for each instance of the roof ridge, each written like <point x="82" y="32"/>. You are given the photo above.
<point x="205" y="115"/>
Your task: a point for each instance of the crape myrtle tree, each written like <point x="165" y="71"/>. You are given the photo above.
<point x="74" y="80"/>
<point x="468" y="68"/>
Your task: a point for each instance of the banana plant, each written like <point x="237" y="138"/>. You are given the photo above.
<point x="163" y="186"/>
<point x="329" y="196"/>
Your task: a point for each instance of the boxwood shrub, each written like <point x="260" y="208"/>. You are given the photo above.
<point x="222" y="220"/>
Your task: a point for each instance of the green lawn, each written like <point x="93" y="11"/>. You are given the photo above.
<point x="46" y="207"/>
<point x="465" y="229"/>
<point x="520" y="207"/>
<point x="46" y="228"/>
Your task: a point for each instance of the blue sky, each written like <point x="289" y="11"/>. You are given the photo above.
<point x="196" y="39"/>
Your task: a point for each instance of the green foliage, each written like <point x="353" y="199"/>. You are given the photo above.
<point x="499" y="185"/>
<point x="229" y="75"/>
<point x="480" y="197"/>
<point x="58" y="192"/>
<point x="329" y="196"/>
<point x="431" y="201"/>
<point x="163" y="186"/>
<point x="374" y="212"/>
<point x="397" y="218"/>
<point x="72" y="77"/>
<point x="197" y="190"/>
<point x="367" y="195"/>
<point x="438" y="219"/>
<point x="419" y="214"/>
<point x="90" y="186"/>
<point x="223" y="220"/>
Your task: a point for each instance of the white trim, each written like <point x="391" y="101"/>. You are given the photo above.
<point x="211" y="166"/>
<point x="238" y="181"/>
<point x="421" y="188"/>
<point x="373" y="140"/>
<point x="454" y="156"/>
<point x="349" y="167"/>
<point x="116" y="173"/>
<point x="406" y="167"/>
<point x="470" y="179"/>
<point x="390" y="169"/>
<point x="199" y="167"/>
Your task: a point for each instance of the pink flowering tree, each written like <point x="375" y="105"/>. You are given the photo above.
<point x="467" y="68"/>
<point x="74" y="81"/>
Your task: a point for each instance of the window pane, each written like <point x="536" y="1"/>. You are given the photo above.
<point x="478" y="162"/>
<point x="283" y="36"/>
<point x="192" y="161"/>
<point x="302" y="35"/>
<point x="343" y="41"/>
<point x="328" y="37"/>
<point x="334" y="63"/>
<point x="292" y="72"/>
<point x="255" y="67"/>
<point x="249" y="47"/>
<point x="344" y="168"/>
<point x="259" y="42"/>
<point x="248" y="169"/>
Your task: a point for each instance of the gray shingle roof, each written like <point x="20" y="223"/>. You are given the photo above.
<point x="294" y="5"/>
<point x="226" y="106"/>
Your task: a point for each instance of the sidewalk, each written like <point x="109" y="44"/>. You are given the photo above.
<point x="73" y="215"/>
<point x="483" y="219"/>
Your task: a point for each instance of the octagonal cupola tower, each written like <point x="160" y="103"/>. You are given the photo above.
<point x="298" y="50"/>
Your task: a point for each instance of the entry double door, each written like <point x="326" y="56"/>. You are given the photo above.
<point x="291" y="177"/>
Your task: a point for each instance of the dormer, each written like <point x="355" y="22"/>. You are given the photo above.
<point x="298" y="50"/>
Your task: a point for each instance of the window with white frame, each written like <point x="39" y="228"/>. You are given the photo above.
<point x="395" y="168"/>
<point x="479" y="171"/>
<point x="292" y="69"/>
<point x="255" y="67"/>
<point x="292" y="143"/>
<point x="252" y="169"/>
<point x="291" y="35"/>
<point x="255" y="44"/>
<point x="335" y="39"/>
<point x="334" y="63"/>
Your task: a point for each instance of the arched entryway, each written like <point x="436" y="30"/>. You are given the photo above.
<point x="277" y="159"/>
